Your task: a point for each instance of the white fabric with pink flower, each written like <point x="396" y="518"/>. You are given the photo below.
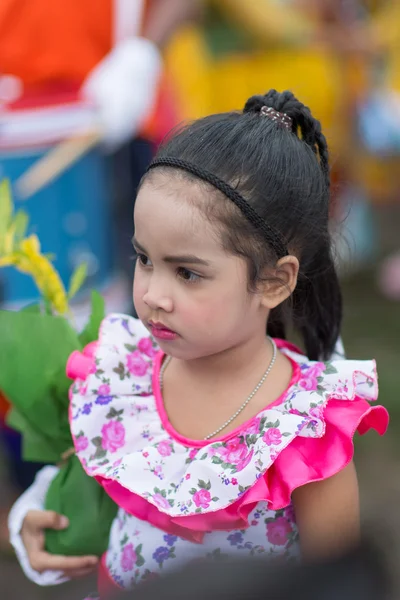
<point x="169" y="487"/>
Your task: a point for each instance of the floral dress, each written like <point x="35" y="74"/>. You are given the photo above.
<point x="180" y="499"/>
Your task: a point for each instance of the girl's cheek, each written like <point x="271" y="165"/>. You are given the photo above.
<point x="139" y="288"/>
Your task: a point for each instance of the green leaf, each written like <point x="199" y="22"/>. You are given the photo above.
<point x="32" y="308"/>
<point x="91" y="332"/>
<point x="90" y="510"/>
<point x="202" y="484"/>
<point x="34" y="350"/>
<point x="100" y="453"/>
<point x="192" y="491"/>
<point x="124" y="540"/>
<point x="138" y="549"/>
<point x="251" y="439"/>
<point x="112" y="413"/>
<point x="77" y="280"/>
<point x="35" y="446"/>
<point x="139" y="561"/>
<point x="216" y="460"/>
<point x="96" y="441"/>
<point x="330" y="369"/>
<point x="120" y="370"/>
<point x="130" y="347"/>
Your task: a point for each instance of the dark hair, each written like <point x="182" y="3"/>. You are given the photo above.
<point x="360" y="574"/>
<point x="283" y="174"/>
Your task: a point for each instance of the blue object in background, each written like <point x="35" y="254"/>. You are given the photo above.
<point x="71" y="216"/>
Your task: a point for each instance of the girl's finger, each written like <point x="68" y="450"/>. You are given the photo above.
<point x="43" y="561"/>
<point x="79" y="573"/>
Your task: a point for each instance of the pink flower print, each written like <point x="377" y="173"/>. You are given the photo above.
<point x="272" y="437"/>
<point x="158" y="471"/>
<point x="164" y="448"/>
<point x="243" y="463"/>
<point x="309" y="378"/>
<point x="161" y="501"/>
<point x="83" y="390"/>
<point x="288" y="513"/>
<point x="145" y="454"/>
<point x="316" y="370"/>
<point x="103" y="390"/>
<point x="136" y="364"/>
<point x="202" y="498"/>
<point x="317" y="412"/>
<point x="193" y="453"/>
<point x="278" y="531"/>
<point x="273" y="455"/>
<point x="187" y="476"/>
<point x="309" y="384"/>
<point x="113" y="436"/>
<point x="81" y="443"/>
<point x="234" y="452"/>
<point x="342" y="389"/>
<point x="234" y="481"/>
<point x="254" y="427"/>
<point x="254" y="523"/>
<point x="128" y="558"/>
<point x="145" y="346"/>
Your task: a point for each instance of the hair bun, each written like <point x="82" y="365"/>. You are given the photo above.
<point x="303" y="123"/>
<point x="255" y="104"/>
<point x="284" y="102"/>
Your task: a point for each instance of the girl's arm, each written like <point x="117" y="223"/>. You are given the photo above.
<point x="27" y="521"/>
<point x="328" y="514"/>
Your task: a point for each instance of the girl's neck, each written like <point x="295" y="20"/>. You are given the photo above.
<point x="251" y="356"/>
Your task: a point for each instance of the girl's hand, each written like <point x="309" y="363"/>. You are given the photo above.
<point x="32" y="533"/>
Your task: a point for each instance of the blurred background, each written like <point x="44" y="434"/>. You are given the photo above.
<point x="88" y="91"/>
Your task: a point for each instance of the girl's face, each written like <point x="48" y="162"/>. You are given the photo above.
<point x="188" y="291"/>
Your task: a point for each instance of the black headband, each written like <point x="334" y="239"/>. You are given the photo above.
<point x="272" y="237"/>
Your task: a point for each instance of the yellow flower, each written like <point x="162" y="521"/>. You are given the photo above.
<point x="32" y="262"/>
<point x="25" y="255"/>
<point x="8" y="261"/>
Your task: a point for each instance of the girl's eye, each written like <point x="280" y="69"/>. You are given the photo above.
<point x="143" y="260"/>
<point x="188" y="276"/>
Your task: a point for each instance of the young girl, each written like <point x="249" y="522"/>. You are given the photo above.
<point x="213" y="434"/>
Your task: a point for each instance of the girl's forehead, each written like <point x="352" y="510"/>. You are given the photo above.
<point x="173" y="212"/>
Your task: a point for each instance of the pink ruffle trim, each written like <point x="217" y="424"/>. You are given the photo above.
<point x="305" y="460"/>
<point x="80" y="363"/>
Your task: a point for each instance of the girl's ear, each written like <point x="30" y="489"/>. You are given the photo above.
<point x="280" y="282"/>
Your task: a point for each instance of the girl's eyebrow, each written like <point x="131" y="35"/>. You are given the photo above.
<point x="190" y="259"/>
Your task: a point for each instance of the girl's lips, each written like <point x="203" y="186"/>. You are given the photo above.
<point x="162" y="333"/>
